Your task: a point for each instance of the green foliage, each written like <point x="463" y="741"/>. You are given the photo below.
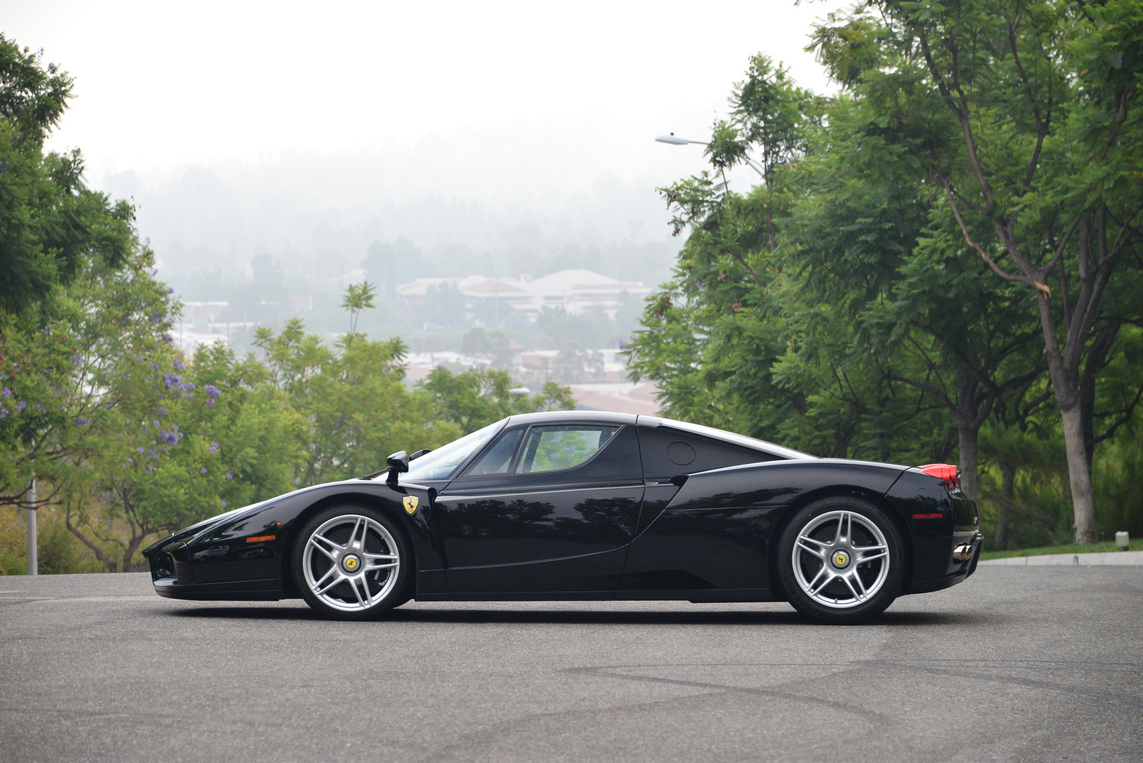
<point x="358" y="298"/>
<point x="1024" y="116"/>
<point x="50" y="223"/>
<point x="851" y="305"/>
<point x="1136" y="544"/>
<point x="479" y="397"/>
<point x="58" y="550"/>
<point x="357" y="405"/>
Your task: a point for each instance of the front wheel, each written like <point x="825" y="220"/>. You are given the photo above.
<point x="841" y="561"/>
<point x="352" y="563"/>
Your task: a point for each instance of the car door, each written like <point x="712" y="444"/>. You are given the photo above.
<point x="543" y="509"/>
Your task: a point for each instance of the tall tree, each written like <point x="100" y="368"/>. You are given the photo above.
<point x="1042" y="177"/>
<point x="873" y="242"/>
<point x="50" y="222"/>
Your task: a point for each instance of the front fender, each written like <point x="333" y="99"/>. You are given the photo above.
<point x="254" y="545"/>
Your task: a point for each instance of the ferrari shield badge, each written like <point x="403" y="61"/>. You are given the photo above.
<point x="410" y="503"/>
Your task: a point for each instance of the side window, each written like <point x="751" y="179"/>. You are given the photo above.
<point x="668" y="452"/>
<point x="562" y="447"/>
<point x="499" y="456"/>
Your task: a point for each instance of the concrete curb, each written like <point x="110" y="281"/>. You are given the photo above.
<point x="1108" y="559"/>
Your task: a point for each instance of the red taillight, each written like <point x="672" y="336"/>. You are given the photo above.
<point x="944" y="472"/>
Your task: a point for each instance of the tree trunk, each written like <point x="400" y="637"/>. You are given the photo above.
<point x="1097" y="360"/>
<point x="1079" y="475"/>
<point x="969" y="460"/>
<point x="968" y="421"/>
<point x="129" y="554"/>
<point x="1064" y="371"/>
<point x="1004" y="511"/>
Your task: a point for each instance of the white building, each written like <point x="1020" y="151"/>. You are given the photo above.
<point x="577" y="291"/>
<point x="205" y="323"/>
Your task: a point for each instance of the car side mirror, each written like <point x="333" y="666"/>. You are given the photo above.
<point x="397" y="463"/>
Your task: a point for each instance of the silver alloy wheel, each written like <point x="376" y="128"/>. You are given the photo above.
<point x="841" y="559"/>
<point x="351" y="563"/>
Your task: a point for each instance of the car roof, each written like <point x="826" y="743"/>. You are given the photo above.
<point x="601" y="417"/>
<point x="555" y="417"/>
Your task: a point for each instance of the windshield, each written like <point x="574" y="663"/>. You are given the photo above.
<point x="441" y="464"/>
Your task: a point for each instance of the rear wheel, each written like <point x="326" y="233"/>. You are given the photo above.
<point x="841" y="561"/>
<point x="352" y="563"/>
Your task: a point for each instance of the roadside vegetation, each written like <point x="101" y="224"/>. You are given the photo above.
<point x="1066" y="548"/>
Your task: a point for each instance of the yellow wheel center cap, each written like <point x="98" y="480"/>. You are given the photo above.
<point x="840" y="559"/>
<point x="351" y="563"/>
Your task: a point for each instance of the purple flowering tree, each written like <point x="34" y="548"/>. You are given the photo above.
<point x="186" y="441"/>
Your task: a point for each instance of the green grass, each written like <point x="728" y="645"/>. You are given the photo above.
<point x="1136" y="545"/>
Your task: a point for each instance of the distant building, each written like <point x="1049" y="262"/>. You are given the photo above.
<point x="202" y="323"/>
<point x="577" y="291"/>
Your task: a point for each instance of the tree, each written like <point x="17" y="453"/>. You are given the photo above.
<point x="354" y="397"/>
<point x="482" y="396"/>
<point x="825" y="306"/>
<point x="750" y="335"/>
<point x="871" y="240"/>
<point x="182" y="442"/>
<point x="357" y="298"/>
<point x="56" y="371"/>
<point x="50" y="223"/>
<point x="1041" y="177"/>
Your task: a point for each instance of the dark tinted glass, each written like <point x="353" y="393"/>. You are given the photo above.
<point x="499" y="456"/>
<point x="671" y="452"/>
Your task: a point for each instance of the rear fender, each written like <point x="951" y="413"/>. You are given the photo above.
<point x="784" y="487"/>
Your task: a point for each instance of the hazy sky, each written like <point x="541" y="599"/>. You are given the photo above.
<point x="588" y="85"/>
<point x="533" y="111"/>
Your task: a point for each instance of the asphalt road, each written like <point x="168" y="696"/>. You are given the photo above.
<point x="1018" y="663"/>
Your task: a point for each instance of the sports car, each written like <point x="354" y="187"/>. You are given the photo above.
<point x="590" y="506"/>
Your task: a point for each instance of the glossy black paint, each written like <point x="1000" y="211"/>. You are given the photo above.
<point x="660" y="512"/>
<point x="530" y="532"/>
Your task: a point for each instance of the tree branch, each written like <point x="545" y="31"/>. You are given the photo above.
<point x="991" y="263"/>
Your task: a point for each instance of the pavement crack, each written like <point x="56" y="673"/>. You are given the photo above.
<point x="1032" y="683"/>
<point x="606" y="671"/>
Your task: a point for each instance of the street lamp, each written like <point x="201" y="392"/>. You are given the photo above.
<point x="674" y="140"/>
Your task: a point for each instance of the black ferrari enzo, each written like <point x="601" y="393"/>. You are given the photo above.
<point x="588" y="506"/>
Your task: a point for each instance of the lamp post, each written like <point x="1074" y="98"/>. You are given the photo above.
<point x="33" y="543"/>
<point x="674" y="140"/>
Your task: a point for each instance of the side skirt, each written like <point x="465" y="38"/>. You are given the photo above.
<point x="705" y="596"/>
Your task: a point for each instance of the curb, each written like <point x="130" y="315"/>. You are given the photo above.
<point x="1105" y="559"/>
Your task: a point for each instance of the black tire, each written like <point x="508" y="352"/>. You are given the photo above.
<point x="352" y="563"/>
<point x="841" y="560"/>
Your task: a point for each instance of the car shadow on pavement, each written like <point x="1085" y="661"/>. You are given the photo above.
<point x="581" y="617"/>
